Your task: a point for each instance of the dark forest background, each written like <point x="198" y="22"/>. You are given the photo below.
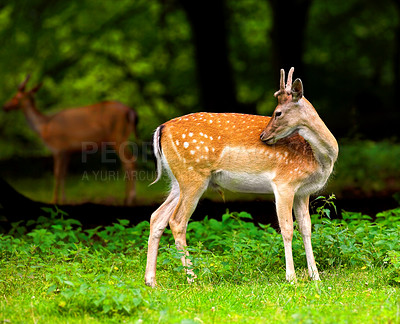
<point x="166" y="58"/>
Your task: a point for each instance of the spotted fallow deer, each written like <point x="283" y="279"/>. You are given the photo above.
<point x="77" y="129"/>
<point x="292" y="158"/>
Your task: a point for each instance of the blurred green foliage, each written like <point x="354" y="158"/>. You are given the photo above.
<point x="367" y="168"/>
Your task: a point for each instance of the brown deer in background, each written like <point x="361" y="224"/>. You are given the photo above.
<point x="71" y="130"/>
<point x="293" y="158"/>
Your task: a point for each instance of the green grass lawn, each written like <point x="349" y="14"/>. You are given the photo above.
<point x="344" y="296"/>
<point x="55" y="272"/>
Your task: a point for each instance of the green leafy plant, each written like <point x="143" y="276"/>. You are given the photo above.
<point x="323" y="205"/>
<point x="393" y="258"/>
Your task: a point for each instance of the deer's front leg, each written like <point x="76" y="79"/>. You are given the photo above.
<point x="284" y="203"/>
<point x="128" y="161"/>
<point x="301" y="210"/>
<point x="64" y="169"/>
<point x="61" y="160"/>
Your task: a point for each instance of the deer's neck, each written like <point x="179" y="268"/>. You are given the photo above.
<point x="322" y="142"/>
<point x="34" y="117"/>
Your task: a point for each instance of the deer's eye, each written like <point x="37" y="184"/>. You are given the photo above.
<point x="278" y="113"/>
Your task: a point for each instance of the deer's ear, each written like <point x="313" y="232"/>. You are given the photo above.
<point x="36" y="89"/>
<point x="21" y="87"/>
<point x="297" y="90"/>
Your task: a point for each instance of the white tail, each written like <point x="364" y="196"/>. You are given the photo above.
<point x="70" y="130"/>
<point x="292" y="158"/>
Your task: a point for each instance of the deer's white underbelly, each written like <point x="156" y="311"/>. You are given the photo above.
<point x="243" y="181"/>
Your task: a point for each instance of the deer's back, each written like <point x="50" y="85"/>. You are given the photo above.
<point x="102" y="122"/>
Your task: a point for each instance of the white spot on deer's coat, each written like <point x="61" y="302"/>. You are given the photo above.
<point x="205" y="136"/>
<point x="201" y="134"/>
<point x="177" y="142"/>
<point x="192" y="152"/>
<point x="190" y="134"/>
<point x="219" y="137"/>
<point x="210" y="121"/>
<point x="190" y="168"/>
<point x="186" y="145"/>
<point x="206" y="148"/>
<point x="183" y="135"/>
<point x="194" y="141"/>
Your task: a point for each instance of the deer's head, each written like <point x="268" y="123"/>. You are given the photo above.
<point x="22" y="97"/>
<point x="290" y="113"/>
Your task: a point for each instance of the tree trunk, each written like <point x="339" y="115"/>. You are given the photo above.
<point x="214" y="71"/>
<point x="396" y="57"/>
<point x="287" y="34"/>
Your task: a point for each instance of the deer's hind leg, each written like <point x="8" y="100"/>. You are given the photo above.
<point x="158" y="223"/>
<point x="189" y="197"/>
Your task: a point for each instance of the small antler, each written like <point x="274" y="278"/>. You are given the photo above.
<point x="282" y="84"/>
<point x="284" y="92"/>
<point x="21" y="87"/>
<point x="289" y="81"/>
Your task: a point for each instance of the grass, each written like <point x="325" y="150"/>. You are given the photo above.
<point x="343" y="296"/>
<point x="53" y="271"/>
